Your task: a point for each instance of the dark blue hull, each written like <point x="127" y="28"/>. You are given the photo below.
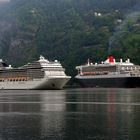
<point x="128" y="82"/>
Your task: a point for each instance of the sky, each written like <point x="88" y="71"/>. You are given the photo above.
<point x="4" y="0"/>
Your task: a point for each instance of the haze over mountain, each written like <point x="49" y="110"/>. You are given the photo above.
<point x="69" y="30"/>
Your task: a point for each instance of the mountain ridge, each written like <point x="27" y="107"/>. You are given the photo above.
<point x="67" y="30"/>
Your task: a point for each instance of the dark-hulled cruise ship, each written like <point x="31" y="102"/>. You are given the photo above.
<point x="41" y="74"/>
<point x="109" y="74"/>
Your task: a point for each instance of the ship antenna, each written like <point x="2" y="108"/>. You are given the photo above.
<point x="88" y="61"/>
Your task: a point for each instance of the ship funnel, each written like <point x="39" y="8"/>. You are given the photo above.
<point x="110" y="59"/>
<point x="121" y="61"/>
<point x="128" y="60"/>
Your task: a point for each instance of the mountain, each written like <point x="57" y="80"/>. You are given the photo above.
<point x="68" y="30"/>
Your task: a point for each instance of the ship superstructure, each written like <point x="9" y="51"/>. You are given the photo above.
<point x="109" y="74"/>
<point x="41" y="74"/>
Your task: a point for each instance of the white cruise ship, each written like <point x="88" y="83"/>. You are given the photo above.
<point x="41" y="74"/>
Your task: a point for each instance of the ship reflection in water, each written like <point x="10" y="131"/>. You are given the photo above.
<point x="71" y="114"/>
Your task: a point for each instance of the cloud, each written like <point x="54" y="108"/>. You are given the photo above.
<point x="4" y="0"/>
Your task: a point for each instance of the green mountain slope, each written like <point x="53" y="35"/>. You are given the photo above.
<point x="68" y="30"/>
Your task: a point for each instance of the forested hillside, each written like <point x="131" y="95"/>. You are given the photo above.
<point x="69" y="30"/>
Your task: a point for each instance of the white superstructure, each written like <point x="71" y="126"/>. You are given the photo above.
<point x="41" y="74"/>
<point x="108" y="69"/>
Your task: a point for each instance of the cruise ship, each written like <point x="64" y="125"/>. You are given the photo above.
<point x="109" y="73"/>
<point x="41" y="74"/>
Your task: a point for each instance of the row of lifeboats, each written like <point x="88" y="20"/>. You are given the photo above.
<point x="95" y="73"/>
<point x="13" y="79"/>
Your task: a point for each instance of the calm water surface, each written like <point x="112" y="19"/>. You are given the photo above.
<point x="70" y="114"/>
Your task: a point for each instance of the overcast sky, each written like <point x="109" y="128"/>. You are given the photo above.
<point x="4" y="0"/>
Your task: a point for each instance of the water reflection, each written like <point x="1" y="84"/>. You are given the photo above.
<point x="53" y="118"/>
<point x="72" y="114"/>
<point x="104" y="113"/>
<point x="17" y="118"/>
<point x="32" y="114"/>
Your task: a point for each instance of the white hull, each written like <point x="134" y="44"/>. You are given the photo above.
<point x="56" y="82"/>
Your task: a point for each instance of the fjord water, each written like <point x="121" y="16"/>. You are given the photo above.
<point x="70" y="114"/>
